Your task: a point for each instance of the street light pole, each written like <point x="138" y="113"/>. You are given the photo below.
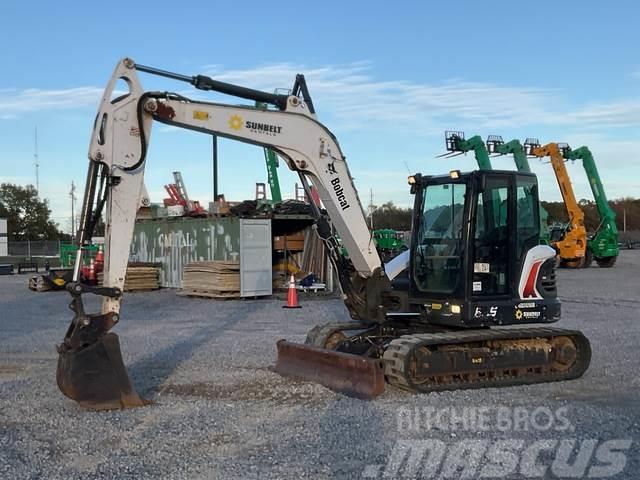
<point x="215" y="167"/>
<point x="72" y="194"/>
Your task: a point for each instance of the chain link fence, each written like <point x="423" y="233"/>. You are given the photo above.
<point x="36" y="248"/>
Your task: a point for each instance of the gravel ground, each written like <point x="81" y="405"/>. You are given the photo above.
<point x="220" y="412"/>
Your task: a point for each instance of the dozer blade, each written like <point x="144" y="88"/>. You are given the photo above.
<point x="95" y="376"/>
<point x="351" y="375"/>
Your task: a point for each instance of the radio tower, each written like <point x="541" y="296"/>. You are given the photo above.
<point x="72" y="194"/>
<point x="35" y="157"/>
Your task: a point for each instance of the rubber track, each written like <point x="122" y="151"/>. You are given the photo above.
<point x="399" y="353"/>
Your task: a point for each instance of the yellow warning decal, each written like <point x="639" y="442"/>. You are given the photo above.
<point x="200" y="115"/>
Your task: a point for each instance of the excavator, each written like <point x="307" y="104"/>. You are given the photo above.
<point x="571" y="241"/>
<point x="456" y="143"/>
<point x="602" y="246"/>
<point x="476" y="265"/>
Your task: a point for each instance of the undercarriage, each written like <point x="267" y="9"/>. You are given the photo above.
<point x="423" y="358"/>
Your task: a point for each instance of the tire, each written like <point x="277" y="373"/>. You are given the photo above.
<point x="588" y="259"/>
<point x="573" y="263"/>
<point x="606" y="262"/>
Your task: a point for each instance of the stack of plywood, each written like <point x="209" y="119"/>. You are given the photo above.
<point x="140" y="277"/>
<point x="314" y="257"/>
<point x="218" y="279"/>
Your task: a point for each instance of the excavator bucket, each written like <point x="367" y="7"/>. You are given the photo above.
<point x="351" y="375"/>
<point x="95" y="376"/>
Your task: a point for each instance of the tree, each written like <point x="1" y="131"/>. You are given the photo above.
<point x="28" y="217"/>
<point x="558" y="212"/>
<point x="390" y="216"/>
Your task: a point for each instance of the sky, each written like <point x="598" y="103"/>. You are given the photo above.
<point x="387" y="78"/>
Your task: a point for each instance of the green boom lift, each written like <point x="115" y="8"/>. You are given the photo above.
<point x="603" y="244"/>
<point x="271" y="159"/>
<point x="456" y="143"/>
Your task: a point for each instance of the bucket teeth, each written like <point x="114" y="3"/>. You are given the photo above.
<point x="95" y="376"/>
<point x="351" y="375"/>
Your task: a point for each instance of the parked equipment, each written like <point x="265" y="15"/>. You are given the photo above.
<point x="178" y="197"/>
<point x="472" y="265"/>
<point x="456" y="144"/>
<point x="572" y="242"/>
<point x="389" y="242"/>
<point x="271" y="161"/>
<point x="603" y="244"/>
<point x="54" y="279"/>
<point x="58" y="278"/>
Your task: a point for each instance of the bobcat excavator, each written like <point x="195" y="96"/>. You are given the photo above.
<point x="475" y="267"/>
<point x="572" y="242"/>
<point x="603" y="244"/>
<point x="456" y="144"/>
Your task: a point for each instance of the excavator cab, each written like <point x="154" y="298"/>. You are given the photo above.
<point x="475" y="240"/>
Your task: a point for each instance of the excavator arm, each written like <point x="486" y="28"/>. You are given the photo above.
<point x="572" y="247"/>
<point x="117" y="160"/>
<point x="604" y="243"/>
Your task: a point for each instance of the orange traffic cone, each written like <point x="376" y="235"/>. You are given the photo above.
<point x="99" y="259"/>
<point x="292" y="295"/>
<point x="92" y="273"/>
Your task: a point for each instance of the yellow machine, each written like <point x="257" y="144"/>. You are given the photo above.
<point x="571" y="242"/>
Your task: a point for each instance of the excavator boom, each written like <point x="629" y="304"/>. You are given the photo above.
<point x="117" y="155"/>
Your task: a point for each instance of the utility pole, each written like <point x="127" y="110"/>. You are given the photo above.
<point x="37" y="165"/>
<point x="371" y="209"/>
<point x="215" y="167"/>
<point x="72" y="194"/>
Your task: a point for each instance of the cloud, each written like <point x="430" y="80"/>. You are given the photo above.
<point x="349" y="95"/>
<point x="612" y="114"/>
<point x="352" y="95"/>
<point x="15" y="101"/>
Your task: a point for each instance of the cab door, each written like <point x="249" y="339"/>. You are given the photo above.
<point x="491" y="243"/>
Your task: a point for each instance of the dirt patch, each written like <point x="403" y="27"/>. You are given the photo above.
<point x="10" y="370"/>
<point x="279" y="391"/>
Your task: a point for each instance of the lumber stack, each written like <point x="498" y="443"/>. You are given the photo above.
<point x="217" y="279"/>
<point x="314" y="257"/>
<point x="140" y="277"/>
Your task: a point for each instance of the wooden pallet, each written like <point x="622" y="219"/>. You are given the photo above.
<point x="216" y="279"/>
<point x="140" y="277"/>
<point x="207" y="294"/>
